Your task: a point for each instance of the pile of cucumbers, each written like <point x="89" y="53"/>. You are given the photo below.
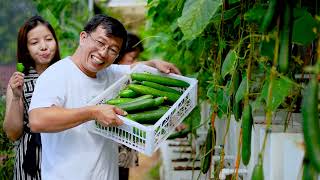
<point x="148" y="97"/>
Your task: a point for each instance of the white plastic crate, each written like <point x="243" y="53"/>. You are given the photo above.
<point x="146" y="139"/>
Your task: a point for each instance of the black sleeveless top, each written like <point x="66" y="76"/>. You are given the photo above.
<point x="28" y="147"/>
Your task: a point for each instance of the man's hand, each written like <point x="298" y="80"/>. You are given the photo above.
<point x="161" y="65"/>
<point x="106" y="115"/>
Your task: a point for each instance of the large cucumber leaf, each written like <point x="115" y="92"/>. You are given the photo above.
<point x="196" y="16"/>
<point x="228" y="65"/>
<point x="280" y="90"/>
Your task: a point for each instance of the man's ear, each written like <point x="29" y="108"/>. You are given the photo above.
<point x="83" y="37"/>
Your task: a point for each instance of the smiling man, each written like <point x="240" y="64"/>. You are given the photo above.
<point x="59" y="108"/>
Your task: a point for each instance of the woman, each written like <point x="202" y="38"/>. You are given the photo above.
<point x="37" y="49"/>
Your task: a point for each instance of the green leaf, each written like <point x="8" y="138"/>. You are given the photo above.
<point x="266" y="48"/>
<point x="196" y="16"/>
<point x="280" y="90"/>
<point x="304" y="29"/>
<point x="233" y="1"/>
<point x="222" y="101"/>
<point x="255" y="14"/>
<point x="227" y="14"/>
<point x="47" y="14"/>
<point x="241" y="90"/>
<point x="229" y="63"/>
<point x="211" y="93"/>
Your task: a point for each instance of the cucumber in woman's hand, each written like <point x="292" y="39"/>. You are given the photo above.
<point x="20" y="67"/>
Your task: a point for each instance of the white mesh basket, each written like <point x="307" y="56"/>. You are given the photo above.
<point x="146" y="139"/>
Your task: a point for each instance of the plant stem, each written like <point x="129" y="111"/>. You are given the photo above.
<point x="269" y="99"/>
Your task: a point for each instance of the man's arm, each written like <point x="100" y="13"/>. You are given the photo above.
<point x="55" y="119"/>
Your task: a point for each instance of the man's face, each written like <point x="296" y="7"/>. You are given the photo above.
<point x="98" y="51"/>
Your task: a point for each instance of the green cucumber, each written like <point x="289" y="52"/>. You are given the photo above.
<point x="310" y="122"/>
<point x="181" y="134"/>
<point x="205" y="165"/>
<point x="118" y="101"/>
<point x="270" y="16"/>
<point x="155" y="92"/>
<point x="20" y="67"/>
<point x="126" y="100"/>
<point x="309" y="173"/>
<point x="147" y="96"/>
<point x="257" y="173"/>
<point x="285" y="34"/>
<point x="128" y="93"/>
<point x="247" y="122"/>
<point x="159" y="100"/>
<point x="159" y="79"/>
<point x="237" y="106"/>
<point x="137" y="105"/>
<point x="148" y="117"/>
<point x="160" y="87"/>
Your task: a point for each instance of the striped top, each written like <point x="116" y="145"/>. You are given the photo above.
<point x="28" y="147"/>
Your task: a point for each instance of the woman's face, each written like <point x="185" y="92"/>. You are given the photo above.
<point x="130" y="57"/>
<point x="41" y="45"/>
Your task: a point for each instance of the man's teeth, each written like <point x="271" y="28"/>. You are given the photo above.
<point x="96" y="60"/>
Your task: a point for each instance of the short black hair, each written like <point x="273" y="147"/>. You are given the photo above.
<point x="113" y="27"/>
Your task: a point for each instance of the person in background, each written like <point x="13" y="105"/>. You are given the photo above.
<point x="133" y="49"/>
<point x="129" y="157"/>
<point x="37" y="49"/>
<point x="59" y="107"/>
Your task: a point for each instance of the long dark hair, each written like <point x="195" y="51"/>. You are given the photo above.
<point x="133" y="44"/>
<point x="23" y="54"/>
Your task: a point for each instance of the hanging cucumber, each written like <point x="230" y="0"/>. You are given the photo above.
<point x="310" y="122"/>
<point x="257" y="173"/>
<point x="205" y="165"/>
<point x="160" y="87"/>
<point x="159" y="79"/>
<point x="181" y="134"/>
<point x="270" y="16"/>
<point x="285" y="34"/>
<point x="237" y="106"/>
<point x="309" y="172"/>
<point x="247" y="122"/>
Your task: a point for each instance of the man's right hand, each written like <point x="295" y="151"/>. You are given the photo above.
<point x="106" y="115"/>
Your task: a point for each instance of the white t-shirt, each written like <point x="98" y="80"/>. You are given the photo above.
<point x="75" y="154"/>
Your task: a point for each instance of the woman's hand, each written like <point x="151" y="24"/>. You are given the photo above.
<point x="16" y="84"/>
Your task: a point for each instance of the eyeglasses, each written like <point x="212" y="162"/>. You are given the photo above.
<point x="102" y="46"/>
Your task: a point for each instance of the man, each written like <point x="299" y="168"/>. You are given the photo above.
<point x="59" y="108"/>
